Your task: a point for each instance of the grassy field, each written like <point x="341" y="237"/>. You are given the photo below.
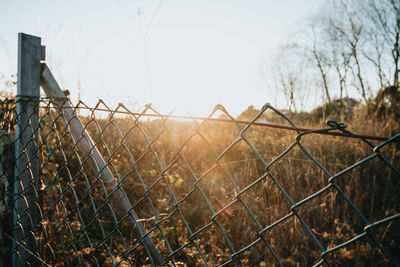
<point x="207" y="191"/>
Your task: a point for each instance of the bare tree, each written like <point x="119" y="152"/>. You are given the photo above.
<point x="344" y="47"/>
<point x="288" y="75"/>
<point x="338" y="56"/>
<point x="383" y="19"/>
<point x="313" y="51"/>
<point x="374" y="53"/>
<point x="322" y="63"/>
<point x="347" y="27"/>
<point x="341" y="63"/>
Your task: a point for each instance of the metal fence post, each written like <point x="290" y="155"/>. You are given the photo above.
<point x="26" y="211"/>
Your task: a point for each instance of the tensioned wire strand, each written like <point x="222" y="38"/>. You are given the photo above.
<point x="243" y="122"/>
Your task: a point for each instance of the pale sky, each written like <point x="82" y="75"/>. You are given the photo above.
<point x="181" y="54"/>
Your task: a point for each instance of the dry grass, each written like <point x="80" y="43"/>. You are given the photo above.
<point x="201" y="209"/>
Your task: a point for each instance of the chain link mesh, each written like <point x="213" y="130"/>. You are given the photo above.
<point x="213" y="193"/>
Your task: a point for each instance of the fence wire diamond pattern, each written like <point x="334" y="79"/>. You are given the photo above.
<point x="212" y="191"/>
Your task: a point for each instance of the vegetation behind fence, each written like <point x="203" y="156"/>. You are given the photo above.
<point x="209" y="191"/>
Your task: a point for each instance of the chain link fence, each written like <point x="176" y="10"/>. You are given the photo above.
<point x="190" y="191"/>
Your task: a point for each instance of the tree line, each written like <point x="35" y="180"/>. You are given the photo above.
<point x="349" y="50"/>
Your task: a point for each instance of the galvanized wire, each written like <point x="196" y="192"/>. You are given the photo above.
<point x="210" y="193"/>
